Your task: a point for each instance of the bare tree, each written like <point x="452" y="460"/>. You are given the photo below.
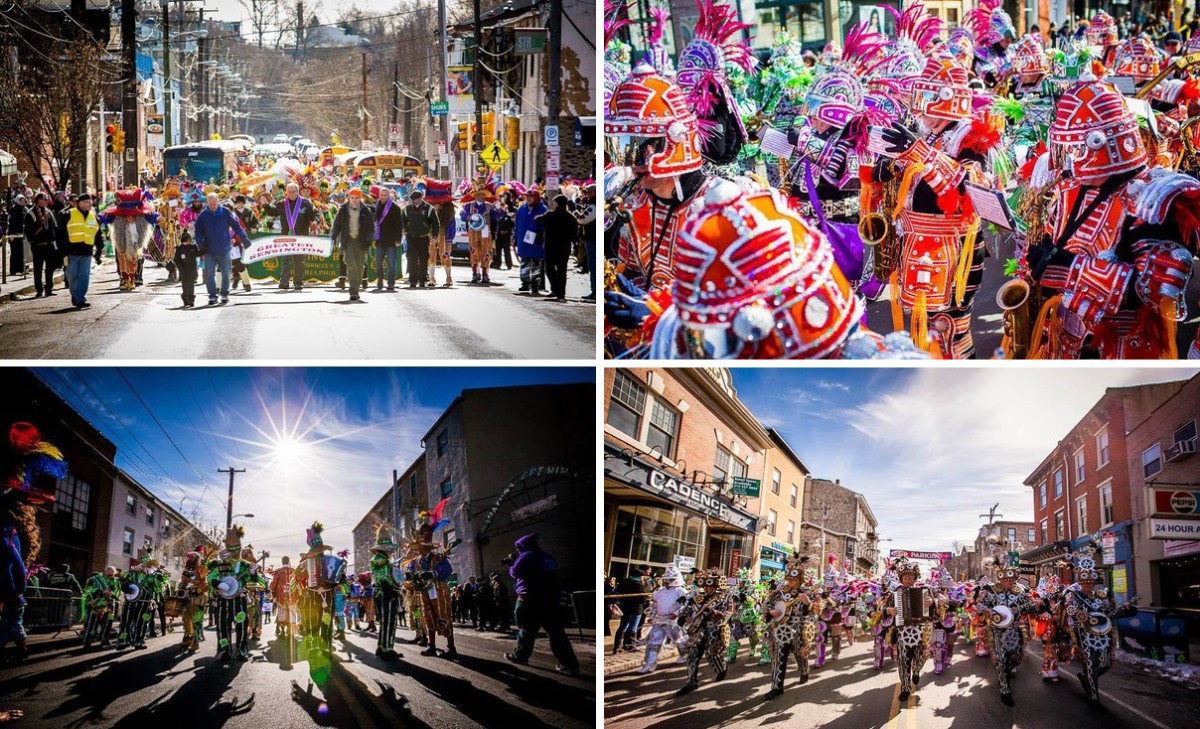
<point x="49" y="106"/>
<point x="264" y="14"/>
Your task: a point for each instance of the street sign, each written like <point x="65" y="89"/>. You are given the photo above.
<point x="553" y="159"/>
<point x="735" y="561"/>
<point x="551" y="135"/>
<point x="439" y="108"/>
<point x="495" y="155"/>
<point x="394" y="133"/>
<point x="1174" y="529"/>
<point x="530" y="40"/>
<point x="684" y="564"/>
<point x="443" y="160"/>
<point x="441" y="146"/>
<point x="910" y="554"/>
<point x="130" y="154"/>
<point x="1174" y="502"/>
<point x="1108" y="540"/>
<point x="552" y="181"/>
<point x="404" y="150"/>
<point x="741" y="486"/>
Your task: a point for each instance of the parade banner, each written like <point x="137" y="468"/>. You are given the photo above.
<point x="939" y="556"/>
<point x="460" y="90"/>
<point x="273" y="246"/>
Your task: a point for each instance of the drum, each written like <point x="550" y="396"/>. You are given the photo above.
<point x="1002" y="616"/>
<point x="131" y="592"/>
<point x="228" y="587"/>
<point x="174" y="606"/>
<point x="476" y="222"/>
<point x="1099" y="623"/>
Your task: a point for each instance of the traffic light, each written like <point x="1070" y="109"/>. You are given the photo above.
<point x="119" y="141"/>
<point x="513" y="132"/>
<point x="489" y="127"/>
<point x="476" y="140"/>
<point x="460" y="139"/>
<point x="110" y="138"/>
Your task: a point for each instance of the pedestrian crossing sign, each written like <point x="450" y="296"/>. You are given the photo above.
<point x="495" y="155"/>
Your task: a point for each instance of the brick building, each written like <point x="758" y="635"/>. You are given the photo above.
<point x="364" y="532"/>
<point x="1082" y="488"/>
<point x="1164" y="475"/>
<point x="839" y="522"/>
<point x="674" y="441"/>
<point x="780" y="506"/>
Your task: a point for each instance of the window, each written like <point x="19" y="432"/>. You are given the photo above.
<point x="412" y="487"/>
<point x="1081" y="510"/>
<point x="851" y="547"/>
<point x="727" y="466"/>
<point x="127" y="543"/>
<point x="776" y="480"/>
<point x="1058" y="483"/>
<point x="626" y="405"/>
<point x="131" y="505"/>
<point x="771" y="517"/>
<point x="1012" y="536"/>
<point x="1059" y="526"/>
<point x="73" y="500"/>
<point x="1080" y="468"/>
<point x="146" y="541"/>
<point x="447" y="487"/>
<point x="1045" y="536"/>
<point x="1187" y="432"/>
<point x="443" y="442"/>
<point x="795" y="497"/>
<point x="1106" y="505"/>
<point x="1151" y="462"/>
<point x="1042" y="492"/>
<point x="1102" y="448"/>
<point x="166" y="526"/>
<point x="149" y="516"/>
<point x="1031" y="536"/>
<point x="664" y="427"/>
<point x="791" y="532"/>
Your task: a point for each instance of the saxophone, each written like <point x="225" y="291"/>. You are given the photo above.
<point x="876" y="228"/>
<point x="1188" y="161"/>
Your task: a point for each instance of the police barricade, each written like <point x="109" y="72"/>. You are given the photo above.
<point x="584" y="604"/>
<point x="50" y="608"/>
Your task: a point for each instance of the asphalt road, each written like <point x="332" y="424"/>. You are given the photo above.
<point x="987" y="325"/>
<point x="849" y="694"/>
<point x="165" y="688"/>
<point x="463" y="322"/>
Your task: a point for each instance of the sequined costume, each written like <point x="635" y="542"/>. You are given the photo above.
<point x="706" y="627"/>
<point x="791" y="621"/>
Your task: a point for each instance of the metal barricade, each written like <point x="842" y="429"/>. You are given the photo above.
<point x="50" y="608"/>
<point x="584" y="604"/>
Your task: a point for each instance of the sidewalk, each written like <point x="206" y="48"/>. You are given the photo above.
<point x="624" y="662"/>
<point x="21" y="288"/>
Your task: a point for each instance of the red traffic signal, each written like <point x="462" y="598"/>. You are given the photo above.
<point x="111" y="128"/>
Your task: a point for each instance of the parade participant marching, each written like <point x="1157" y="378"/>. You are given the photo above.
<point x="30" y="467"/>
<point x="1090" y="611"/>
<point x="941" y="255"/>
<point x="286" y="616"/>
<point x="131" y="224"/>
<point x="665" y="604"/>
<point x="1002" y="604"/>
<point x="387" y="592"/>
<point x="412" y="602"/>
<point x="296" y="217"/>
<point x="420" y="223"/>
<point x="1051" y="628"/>
<point x="193" y="587"/>
<point x="228" y="575"/>
<point x="476" y="216"/>
<point x="354" y="232"/>
<point x="216" y="228"/>
<point x="255" y="585"/>
<point x="250" y="221"/>
<point x="389" y="232"/>
<point x="138" y="584"/>
<point x="99" y="605"/>
<point x="438" y="194"/>
<point x="881" y="626"/>
<point x="747" y="622"/>
<point x="911" y="606"/>
<point x="948" y="599"/>
<point x="428" y="568"/>
<point x="504" y="218"/>
<point x="791" y="611"/>
<point x="706" y="627"/>
<point x="166" y="236"/>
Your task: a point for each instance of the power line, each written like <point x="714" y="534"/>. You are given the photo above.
<point x="160" y="425"/>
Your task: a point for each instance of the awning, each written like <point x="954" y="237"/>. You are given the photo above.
<point x="771" y="564"/>
<point x="8" y="163"/>
<point x="1046" y="554"/>
<point x="585" y="131"/>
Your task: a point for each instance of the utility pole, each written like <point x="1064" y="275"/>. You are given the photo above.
<point x="395" y="99"/>
<point x="554" y="95"/>
<point x="229" y="504"/>
<point x="202" y="120"/>
<point x="477" y="138"/>
<point x="991" y="515"/>
<point x="366" y="134"/>
<point x="129" y="100"/>
<point x="445" y="123"/>
<point x="166" y="52"/>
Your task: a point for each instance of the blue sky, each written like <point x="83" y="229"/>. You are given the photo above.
<point x="931" y="448"/>
<point x="316" y="443"/>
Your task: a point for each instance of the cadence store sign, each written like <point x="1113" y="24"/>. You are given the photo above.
<point x="662" y="484"/>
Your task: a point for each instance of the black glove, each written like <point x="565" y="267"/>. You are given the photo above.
<point x="97" y="257"/>
<point x="625" y="309"/>
<point x="899" y="138"/>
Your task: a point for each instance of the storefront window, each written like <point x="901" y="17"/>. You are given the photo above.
<point x="648" y="535"/>
<point x="722" y="546"/>
<point x="627" y="404"/>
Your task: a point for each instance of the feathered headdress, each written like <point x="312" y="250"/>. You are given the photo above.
<point x="35" y="466"/>
<point x="904" y="60"/>
<point x="988" y="22"/>
<point x="314" y="539"/>
<point x="701" y="70"/>
<point x="657" y="55"/>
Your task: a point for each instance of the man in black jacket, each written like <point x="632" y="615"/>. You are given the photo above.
<point x="389" y="229"/>
<point x="420" y="223"/>
<point x="561" y="230"/>
<point x="353" y="231"/>
<point x="295" y="215"/>
<point x="41" y="232"/>
<point x="17" y="215"/>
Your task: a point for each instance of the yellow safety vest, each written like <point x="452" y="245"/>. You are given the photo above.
<point x="81" y="229"/>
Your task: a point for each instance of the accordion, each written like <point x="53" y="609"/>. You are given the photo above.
<point x="332" y="570"/>
<point x="910" y="605"/>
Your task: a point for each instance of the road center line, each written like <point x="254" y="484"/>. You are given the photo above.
<point x="1110" y="697"/>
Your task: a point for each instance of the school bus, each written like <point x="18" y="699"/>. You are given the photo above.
<point x="388" y="165"/>
<point x="329" y="153"/>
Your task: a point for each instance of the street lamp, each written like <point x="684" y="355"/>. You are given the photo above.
<point x="248" y="516"/>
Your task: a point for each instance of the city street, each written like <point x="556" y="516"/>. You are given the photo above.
<point x="848" y="694"/>
<point x="161" y="686"/>
<point x="463" y="322"/>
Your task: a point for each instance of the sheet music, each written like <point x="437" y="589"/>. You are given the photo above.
<point x="776" y="142"/>
<point x="991" y="206"/>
